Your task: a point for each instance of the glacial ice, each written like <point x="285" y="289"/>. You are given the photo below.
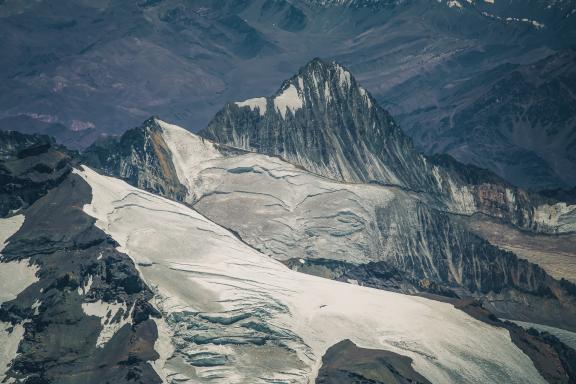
<point x="235" y="313"/>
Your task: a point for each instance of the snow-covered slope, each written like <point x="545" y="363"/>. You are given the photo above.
<point x="235" y="315"/>
<point x="291" y="214"/>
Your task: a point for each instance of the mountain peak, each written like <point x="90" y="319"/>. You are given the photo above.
<point x="316" y="85"/>
<point x="320" y="71"/>
<point x="323" y="120"/>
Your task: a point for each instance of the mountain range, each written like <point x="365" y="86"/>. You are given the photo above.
<point x="300" y="237"/>
<point x="477" y="80"/>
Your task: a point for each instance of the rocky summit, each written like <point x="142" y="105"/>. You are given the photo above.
<point x="325" y="121"/>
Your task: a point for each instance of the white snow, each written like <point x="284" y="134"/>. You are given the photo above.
<point x="301" y="83"/>
<point x="533" y="23"/>
<point x="9" y="341"/>
<point x="163" y="346"/>
<point x="343" y="76"/>
<point x="437" y="176"/>
<point x="327" y="93"/>
<point x="86" y="288"/>
<point x="364" y="94"/>
<point x="188" y="151"/>
<point x="462" y="198"/>
<point x="200" y="267"/>
<point x="289" y="99"/>
<point x="106" y="312"/>
<point x="258" y="103"/>
<point x="37" y="303"/>
<point x="510" y="197"/>
<point x="9" y="227"/>
<point x="15" y="276"/>
<point x="454" y="4"/>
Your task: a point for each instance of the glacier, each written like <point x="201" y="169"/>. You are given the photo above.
<point x="233" y="313"/>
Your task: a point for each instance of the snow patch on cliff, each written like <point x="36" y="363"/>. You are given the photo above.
<point x="257" y="103"/>
<point x="10" y="337"/>
<point x="462" y="198"/>
<point x="288" y="100"/>
<point x="343" y="76"/>
<point x="15" y="276"/>
<point x="113" y="316"/>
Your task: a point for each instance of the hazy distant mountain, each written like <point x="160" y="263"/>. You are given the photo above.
<point x="519" y="120"/>
<point x="182" y="60"/>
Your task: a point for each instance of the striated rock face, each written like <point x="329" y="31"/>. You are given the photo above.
<point x="29" y="166"/>
<point x="139" y="156"/>
<point x="86" y="318"/>
<point x="322" y="120"/>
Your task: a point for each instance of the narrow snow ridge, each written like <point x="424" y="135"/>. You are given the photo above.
<point x="188" y="151"/>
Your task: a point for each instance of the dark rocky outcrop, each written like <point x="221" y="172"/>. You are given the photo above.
<point x="60" y="339"/>
<point x="567" y="195"/>
<point x="30" y="165"/>
<point x="345" y="363"/>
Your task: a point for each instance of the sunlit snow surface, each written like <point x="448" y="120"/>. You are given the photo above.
<point x="238" y="316"/>
<point x="255" y="103"/>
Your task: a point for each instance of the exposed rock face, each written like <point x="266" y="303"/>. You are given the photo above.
<point x="89" y="298"/>
<point x="139" y="156"/>
<point x="29" y="166"/>
<point x="345" y="363"/>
